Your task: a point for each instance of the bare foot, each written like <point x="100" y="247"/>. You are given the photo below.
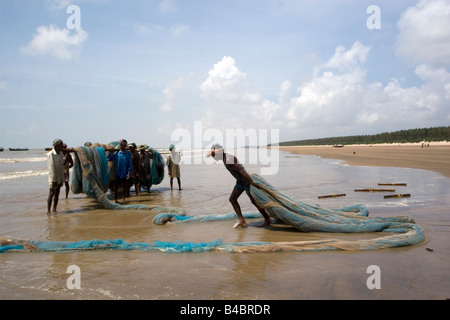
<point x="240" y="225"/>
<point x="266" y="223"/>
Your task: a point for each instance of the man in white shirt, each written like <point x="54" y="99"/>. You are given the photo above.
<point x="55" y="164"/>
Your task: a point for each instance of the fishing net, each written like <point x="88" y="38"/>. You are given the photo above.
<point x="92" y="175"/>
<point x="98" y="244"/>
<point x="157" y="164"/>
<point x="397" y="231"/>
<point x="163" y="218"/>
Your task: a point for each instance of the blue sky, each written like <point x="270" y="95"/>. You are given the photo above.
<point x="140" y="70"/>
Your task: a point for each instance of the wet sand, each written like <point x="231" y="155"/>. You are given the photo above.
<point x="436" y="157"/>
<point x="414" y="272"/>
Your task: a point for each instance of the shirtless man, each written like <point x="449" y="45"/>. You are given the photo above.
<point x="68" y="163"/>
<point x="243" y="182"/>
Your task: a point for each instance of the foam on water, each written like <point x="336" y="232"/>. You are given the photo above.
<point x="22" y="174"/>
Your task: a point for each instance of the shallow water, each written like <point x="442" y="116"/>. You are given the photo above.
<point x="406" y="273"/>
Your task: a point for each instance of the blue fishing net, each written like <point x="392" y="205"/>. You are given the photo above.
<point x="117" y="244"/>
<point x="402" y="230"/>
<point x="92" y="175"/>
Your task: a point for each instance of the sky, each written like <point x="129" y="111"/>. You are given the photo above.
<point x="158" y="72"/>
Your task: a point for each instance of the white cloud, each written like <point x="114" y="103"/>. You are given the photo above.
<point x="348" y="59"/>
<point x="58" y="43"/>
<point x="366" y="118"/>
<point x="331" y="96"/>
<point x="424" y="35"/>
<point x="224" y="74"/>
<point x="285" y="88"/>
<point x="231" y="104"/>
<point x="338" y="98"/>
<point x="335" y="100"/>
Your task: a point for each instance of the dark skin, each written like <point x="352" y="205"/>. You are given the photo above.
<point x="137" y="184"/>
<point x="70" y="160"/>
<point x="124" y="182"/>
<point x="171" y="183"/>
<point x="147" y="181"/>
<point x="53" y="194"/>
<point x="235" y="194"/>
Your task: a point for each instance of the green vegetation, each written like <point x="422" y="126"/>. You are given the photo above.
<point x="402" y="136"/>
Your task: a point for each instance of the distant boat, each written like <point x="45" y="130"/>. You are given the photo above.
<point x="18" y="149"/>
<point x="1" y="148"/>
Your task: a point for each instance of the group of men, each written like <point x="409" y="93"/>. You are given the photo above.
<point x="134" y="165"/>
<point x="131" y="164"/>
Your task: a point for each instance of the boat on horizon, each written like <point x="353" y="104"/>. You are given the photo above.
<point x="1" y="149"/>
<point x="18" y="149"/>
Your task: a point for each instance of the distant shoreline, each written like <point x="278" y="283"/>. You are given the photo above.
<point x="434" y="156"/>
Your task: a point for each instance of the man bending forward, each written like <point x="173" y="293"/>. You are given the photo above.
<point x="243" y="182"/>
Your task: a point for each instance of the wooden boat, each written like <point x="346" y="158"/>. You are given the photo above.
<point x="18" y="149"/>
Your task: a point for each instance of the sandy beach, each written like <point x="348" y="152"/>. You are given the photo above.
<point x="435" y="156"/>
<point x="414" y="272"/>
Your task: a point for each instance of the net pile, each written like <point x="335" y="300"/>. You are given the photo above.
<point x="92" y="175"/>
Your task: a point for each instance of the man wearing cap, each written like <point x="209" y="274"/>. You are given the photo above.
<point x="122" y="168"/>
<point x="55" y="164"/>
<point x="243" y="182"/>
<point x="173" y="165"/>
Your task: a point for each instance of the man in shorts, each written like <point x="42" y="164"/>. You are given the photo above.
<point x="243" y="182"/>
<point x="122" y="168"/>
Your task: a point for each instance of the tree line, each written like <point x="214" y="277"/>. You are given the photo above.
<point x="402" y="136"/>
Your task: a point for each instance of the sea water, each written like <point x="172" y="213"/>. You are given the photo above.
<point x="418" y="272"/>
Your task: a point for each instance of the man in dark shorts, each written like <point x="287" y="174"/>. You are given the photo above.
<point x="243" y="182"/>
<point x="122" y="168"/>
<point x="136" y="172"/>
